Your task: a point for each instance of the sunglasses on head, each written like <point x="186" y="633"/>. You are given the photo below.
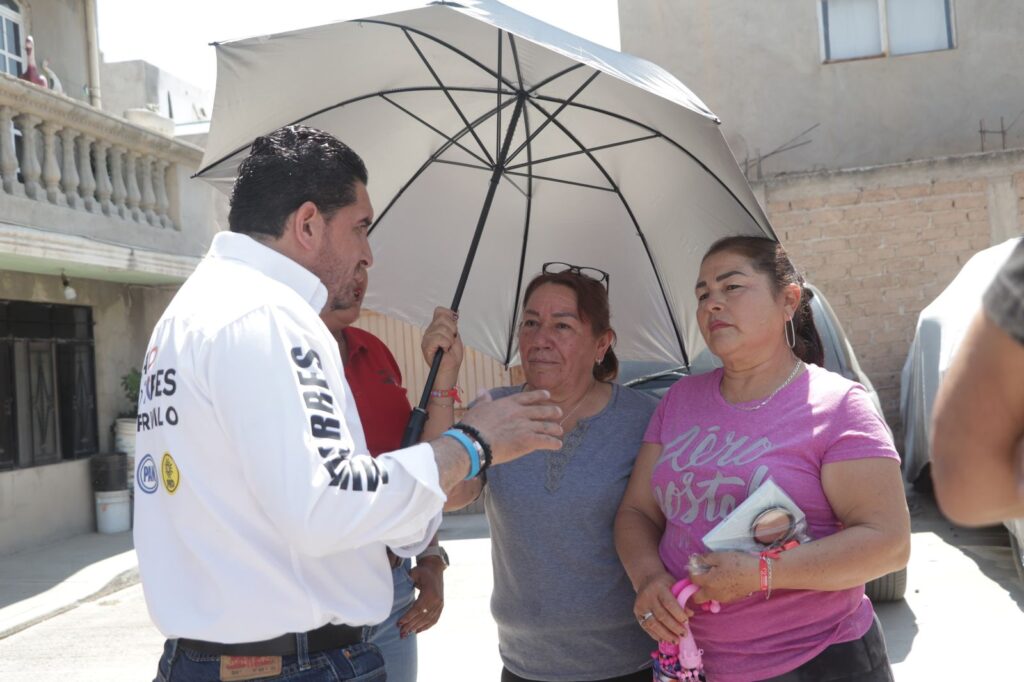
<point x="596" y="274"/>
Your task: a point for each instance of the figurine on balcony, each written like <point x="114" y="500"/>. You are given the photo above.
<point x="31" y="72"/>
<point x="49" y="75"/>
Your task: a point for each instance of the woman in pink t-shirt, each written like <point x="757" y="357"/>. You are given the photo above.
<point x="715" y="438"/>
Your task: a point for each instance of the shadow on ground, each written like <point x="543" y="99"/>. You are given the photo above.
<point x="987" y="547"/>
<point x="900" y="627"/>
<point x="31" y="572"/>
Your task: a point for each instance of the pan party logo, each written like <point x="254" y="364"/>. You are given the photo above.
<point x="169" y="473"/>
<point x="146" y="475"/>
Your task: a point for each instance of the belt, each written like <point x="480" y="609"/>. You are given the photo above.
<point x="322" y="639"/>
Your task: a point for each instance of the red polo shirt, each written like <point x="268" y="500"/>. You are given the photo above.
<point x="376" y="384"/>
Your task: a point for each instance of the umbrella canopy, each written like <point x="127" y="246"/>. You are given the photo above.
<point x="598" y="158"/>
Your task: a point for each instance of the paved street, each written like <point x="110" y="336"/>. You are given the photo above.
<point x="963" y="608"/>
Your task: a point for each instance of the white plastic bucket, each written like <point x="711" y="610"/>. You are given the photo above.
<point x="124" y="436"/>
<point x="124" y="441"/>
<point x="113" y="512"/>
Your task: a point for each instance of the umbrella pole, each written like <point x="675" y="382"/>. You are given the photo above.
<point x="418" y="418"/>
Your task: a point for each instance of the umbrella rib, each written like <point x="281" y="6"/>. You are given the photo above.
<point x="561" y="180"/>
<point x="451" y="99"/>
<point x="526" y="239"/>
<point x="431" y="159"/>
<point x="468" y="58"/>
<point x="497" y="94"/>
<point x="439" y="132"/>
<point x="560" y="109"/>
<point x="555" y="77"/>
<point x="636" y="224"/>
<point x="483" y="168"/>
<point x="684" y="150"/>
<point x="512" y="182"/>
<point x="515" y="60"/>
<point x="464" y="164"/>
<point x="344" y="103"/>
<point x="584" y="151"/>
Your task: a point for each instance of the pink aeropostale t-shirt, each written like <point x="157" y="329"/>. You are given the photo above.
<point x="713" y="456"/>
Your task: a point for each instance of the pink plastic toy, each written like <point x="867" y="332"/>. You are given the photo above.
<point x="682" y="660"/>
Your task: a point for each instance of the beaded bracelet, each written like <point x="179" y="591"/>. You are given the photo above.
<point x="485" y="447"/>
<point x="472" y="449"/>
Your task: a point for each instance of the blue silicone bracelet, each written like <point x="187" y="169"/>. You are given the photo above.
<point x="474" y="456"/>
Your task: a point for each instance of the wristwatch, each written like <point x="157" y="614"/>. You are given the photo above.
<point x="435" y="550"/>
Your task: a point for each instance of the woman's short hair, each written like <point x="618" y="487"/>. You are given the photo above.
<point x="767" y="256"/>
<point x="592" y="307"/>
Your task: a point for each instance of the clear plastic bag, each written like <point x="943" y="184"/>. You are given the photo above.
<point x="767" y="519"/>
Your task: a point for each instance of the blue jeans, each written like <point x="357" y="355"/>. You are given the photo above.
<point x="399" y="654"/>
<point x="357" y="663"/>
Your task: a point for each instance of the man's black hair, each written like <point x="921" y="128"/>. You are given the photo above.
<point x="287" y="168"/>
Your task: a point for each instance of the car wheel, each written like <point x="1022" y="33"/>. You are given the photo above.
<point x="1018" y="556"/>
<point x="889" y="587"/>
<point x="923" y="483"/>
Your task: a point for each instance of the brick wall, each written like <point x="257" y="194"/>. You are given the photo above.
<point x="881" y="243"/>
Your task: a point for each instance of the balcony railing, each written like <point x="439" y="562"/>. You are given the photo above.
<point x="60" y="152"/>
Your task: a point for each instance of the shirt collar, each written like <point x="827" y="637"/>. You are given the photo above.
<point x="354" y="342"/>
<point x="277" y="266"/>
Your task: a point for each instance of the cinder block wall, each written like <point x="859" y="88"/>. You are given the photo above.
<point x="882" y="242"/>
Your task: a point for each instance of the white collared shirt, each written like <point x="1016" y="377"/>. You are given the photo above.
<point x="258" y="510"/>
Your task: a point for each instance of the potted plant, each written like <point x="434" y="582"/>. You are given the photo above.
<point x="125" y="424"/>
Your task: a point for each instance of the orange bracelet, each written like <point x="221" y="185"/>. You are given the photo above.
<point x="765" y="566"/>
<point x="452" y="392"/>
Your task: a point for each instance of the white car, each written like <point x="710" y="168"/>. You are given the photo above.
<point x="940" y="330"/>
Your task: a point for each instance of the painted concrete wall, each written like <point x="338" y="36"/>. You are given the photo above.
<point x="48" y="503"/>
<point x="758" y="66"/>
<point x="45" y="504"/>
<point x="135" y="84"/>
<point x="58" y="28"/>
<point x="123" y="318"/>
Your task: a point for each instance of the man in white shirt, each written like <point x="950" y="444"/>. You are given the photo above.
<point x="261" y="521"/>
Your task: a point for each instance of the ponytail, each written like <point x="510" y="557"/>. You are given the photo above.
<point x="808" y="346"/>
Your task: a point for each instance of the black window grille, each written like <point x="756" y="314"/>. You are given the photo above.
<point x="47" y="383"/>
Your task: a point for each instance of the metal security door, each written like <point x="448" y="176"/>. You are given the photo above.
<point x="8" y="430"/>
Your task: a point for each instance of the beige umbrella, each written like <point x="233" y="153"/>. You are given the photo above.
<point x="495" y="143"/>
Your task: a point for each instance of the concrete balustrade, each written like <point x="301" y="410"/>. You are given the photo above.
<point x="63" y="152"/>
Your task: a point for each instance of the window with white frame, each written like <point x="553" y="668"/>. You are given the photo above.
<point x="854" y="29"/>
<point x="12" y="55"/>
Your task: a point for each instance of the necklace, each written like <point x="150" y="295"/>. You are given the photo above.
<point x="792" y="375"/>
<point x="578" y="403"/>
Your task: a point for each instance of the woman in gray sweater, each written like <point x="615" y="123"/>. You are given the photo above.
<point x="562" y="601"/>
